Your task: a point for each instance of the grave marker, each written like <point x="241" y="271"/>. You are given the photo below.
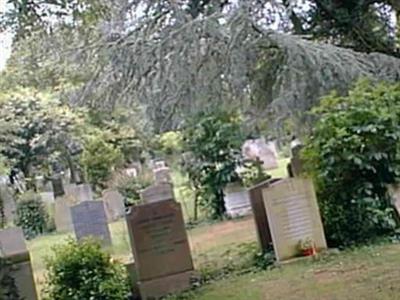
<point x="113" y="205"/>
<point x="13" y="249"/>
<point x="237" y="200"/>
<point x="160" y="247"/>
<point x="89" y="220"/>
<point x="9" y="205"/>
<point x="62" y="214"/>
<point x="162" y="175"/>
<point x="293" y="215"/>
<point x="58" y="186"/>
<point x="158" y="192"/>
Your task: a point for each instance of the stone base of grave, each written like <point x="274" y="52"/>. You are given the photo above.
<point x="23" y="276"/>
<point x="160" y="287"/>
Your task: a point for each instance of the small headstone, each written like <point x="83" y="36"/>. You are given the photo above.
<point x="83" y="192"/>
<point x="293" y="216"/>
<point x="58" y="187"/>
<point x="160" y="247"/>
<point x="89" y="220"/>
<point x="9" y="205"/>
<point x="13" y="249"/>
<point x="260" y="149"/>
<point x="62" y="215"/>
<point x="237" y="201"/>
<point x="158" y="192"/>
<point x="114" y="205"/>
<point x="162" y="175"/>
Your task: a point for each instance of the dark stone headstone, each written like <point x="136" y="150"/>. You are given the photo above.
<point x="58" y="187"/>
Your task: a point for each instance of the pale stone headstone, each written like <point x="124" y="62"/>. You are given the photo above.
<point x="47" y="197"/>
<point x="89" y="220"/>
<point x="162" y="175"/>
<point x="113" y="205"/>
<point x="62" y="214"/>
<point x="293" y="216"/>
<point x="160" y="247"/>
<point x="260" y="149"/>
<point x="158" y="192"/>
<point x="13" y="249"/>
<point x="237" y="201"/>
<point x="9" y="205"/>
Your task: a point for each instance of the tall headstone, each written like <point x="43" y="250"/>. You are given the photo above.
<point x="237" y="201"/>
<point x="9" y="205"/>
<point x="293" y="216"/>
<point x="160" y="247"/>
<point x="260" y="214"/>
<point x="158" y="192"/>
<point x="14" y="251"/>
<point x="62" y="214"/>
<point x="58" y="186"/>
<point x="114" y="205"/>
<point x="89" y="220"/>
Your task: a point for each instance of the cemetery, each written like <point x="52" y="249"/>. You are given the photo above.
<point x="199" y="150"/>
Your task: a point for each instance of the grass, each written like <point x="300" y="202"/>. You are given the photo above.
<point x="369" y="273"/>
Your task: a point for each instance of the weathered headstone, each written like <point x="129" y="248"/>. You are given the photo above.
<point x="83" y="192"/>
<point x="160" y="247"/>
<point x="237" y="201"/>
<point x="296" y="163"/>
<point x="113" y="205"/>
<point x="394" y="191"/>
<point x="62" y="215"/>
<point x="13" y="249"/>
<point x="89" y="220"/>
<point x="293" y="216"/>
<point x="58" y="186"/>
<point x="162" y="175"/>
<point x="158" y="192"/>
<point x="9" y="206"/>
<point x="47" y="197"/>
<point x="260" y="214"/>
<point x="260" y="149"/>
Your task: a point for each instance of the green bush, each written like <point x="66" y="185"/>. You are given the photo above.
<point x="171" y="142"/>
<point x="214" y="140"/>
<point x="130" y="187"/>
<point x="99" y="159"/>
<point x="253" y="173"/>
<point x="31" y="215"/>
<point x="353" y="155"/>
<point x="82" y="270"/>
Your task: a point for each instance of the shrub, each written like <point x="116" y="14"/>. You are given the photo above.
<point x="253" y="173"/>
<point x="353" y="155"/>
<point x="31" y="215"/>
<point x="83" y="271"/>
<point x="214" y="141"/>
<point x="171" y="142"/>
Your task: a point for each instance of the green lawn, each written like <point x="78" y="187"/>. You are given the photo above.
<point x="370" y="273"/>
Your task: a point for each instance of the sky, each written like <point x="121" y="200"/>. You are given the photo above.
<point x="5" y="40"/>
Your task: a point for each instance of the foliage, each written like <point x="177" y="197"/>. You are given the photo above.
<point x="83" y="271"/>
<point x="253" y="173"/>
<point x="171" y="142"/>
<point x="31" y="215"/>
<point x="36" y="129"/>
<point x="99" y="159"/>
<point x="8" y="289"/>
<point x="214" y="140"/>
<point x="353" y="155"/>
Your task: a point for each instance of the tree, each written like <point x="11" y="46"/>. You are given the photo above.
<point x="214" y="141"/>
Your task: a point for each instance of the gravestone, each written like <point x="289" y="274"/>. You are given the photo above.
<point x="47" y="197"/>
<point x="158" y="192"/>
<point x="260" y="149"/>
<point x="62" y="214"/>
<point x="114" y="205"/>
<point x="58" y="186"/>
<point x="296" y="163"/>
<point x="89" y="220"/>
<point x="162" y="175"/>
<point x="260" y="214"/>
<point x="9" y="205"/>
<point x="237" y="201"/>
<point x="160" y="247"/>
<point x="394" y="191"/>
<point x="13" y="249"/>
<point x="83" y="192"/>
<point x="293" y="216"/>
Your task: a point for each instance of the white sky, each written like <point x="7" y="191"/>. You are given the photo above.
<point x="5" y="40"/>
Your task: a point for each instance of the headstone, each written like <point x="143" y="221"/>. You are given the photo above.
<point x="260" y="149"/>
<point x="58" y="187"/>
<point x="260" y="214"/>
<point x="47" y="197"/>
<point x="293" y="216"/>
<point x="158" y="192"/>
<point x="296" y="163"/>
<point x="13" y="249"/>
<point x="89" y="220"/>
<point x="160" y="248"/>
<point x="162" y="175"/>
<point x="114" y="205"/>
<point x="83" y="192"/>
<point x="237" y="201"/>
<point x="394" y="191"/>
<point x="9" y="205"/>
<point x="62" y="215"/>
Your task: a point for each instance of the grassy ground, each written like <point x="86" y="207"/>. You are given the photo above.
<point x="370" y="273"/>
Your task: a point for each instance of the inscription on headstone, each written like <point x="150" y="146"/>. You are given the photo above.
<point x="160" y="247"/>
<point x="293" y="216"/>
<point x="89" y="220"/>
<point x="13" y="249"/>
